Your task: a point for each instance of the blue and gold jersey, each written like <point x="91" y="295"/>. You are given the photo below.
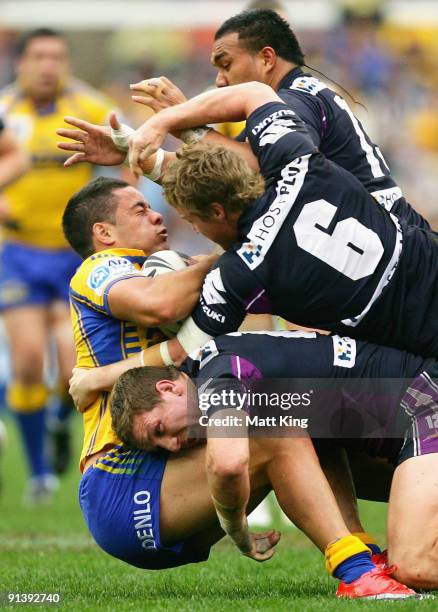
<point x="37" y="200"/>
<point x="100" y="338"/>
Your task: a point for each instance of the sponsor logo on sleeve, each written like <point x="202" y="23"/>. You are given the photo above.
<point x="344" y="352"/>
<point x="211" y="294"/>
<point x="113" y="268"/>
<point x="213" y="287"/>
<point x="276" y="131"/>
<point x="310" y="85"/>
<point x="277" y="118"/>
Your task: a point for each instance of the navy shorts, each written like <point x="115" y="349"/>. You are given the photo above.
<point x="420" y="402"/>
<point x="32" y="275"/>
<point x="120" y="500"/>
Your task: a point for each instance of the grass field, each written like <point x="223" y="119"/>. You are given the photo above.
<point x="48" y="549"/>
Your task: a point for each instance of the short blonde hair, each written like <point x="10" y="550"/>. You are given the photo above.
<point x="204" y="174"/>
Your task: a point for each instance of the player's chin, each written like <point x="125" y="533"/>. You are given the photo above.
<point x="190" y="442"/>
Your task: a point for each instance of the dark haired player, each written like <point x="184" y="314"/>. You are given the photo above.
<point x="313" y="248"/>
<point x="258" y="45"/>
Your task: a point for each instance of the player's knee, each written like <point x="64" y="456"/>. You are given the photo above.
<point x="26" y="398"/>
<point x="417" y="567"/>
<point x="28" y="366"/>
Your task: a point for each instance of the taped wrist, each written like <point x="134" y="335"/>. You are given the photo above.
<point x="165" y="355"/>
<point x="239" y="534"/>
<point x="155" y="173"/>
<point x="121" y="136"/>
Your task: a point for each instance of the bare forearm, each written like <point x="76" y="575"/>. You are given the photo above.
<point x="183" y="295"/>
<point x="233" y="103"/>
<point x="105" y="377"/>
<point x="241" y="148"/>
<point x="227" y="472"/>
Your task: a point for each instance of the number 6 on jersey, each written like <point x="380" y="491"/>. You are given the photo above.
<point x="352" y="249"/>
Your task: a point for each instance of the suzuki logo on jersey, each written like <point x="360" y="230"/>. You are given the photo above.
<point x="276" y="131"/>
<point x="286" y="112"/>
<point x="213" y="286"/>
<point x="344" y="352"/>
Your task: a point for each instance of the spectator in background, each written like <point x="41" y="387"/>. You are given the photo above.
<point x="36" y="263"/>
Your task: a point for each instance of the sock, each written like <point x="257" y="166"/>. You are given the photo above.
<point x="354" y="567"/>
<point x="33" y="428"/>
<point x="348" y="558"/>
<point x="28" y="402"/>
<point x="369" y="540"/>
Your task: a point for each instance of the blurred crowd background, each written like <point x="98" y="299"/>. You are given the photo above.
<point x="386" y="61"/>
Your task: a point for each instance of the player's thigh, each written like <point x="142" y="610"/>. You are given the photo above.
<point x="61" y="329"/>
<point x="413" y="520"/>
<point x="186" y="507"/>
<point x="27" y="331"/>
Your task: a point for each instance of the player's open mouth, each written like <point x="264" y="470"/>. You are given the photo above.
<point x="163" y="233"/>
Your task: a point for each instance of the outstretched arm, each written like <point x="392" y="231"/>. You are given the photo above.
<point x="93" y="144"/>
<point x="233" y="103"/>
<point x="160" y="93"/>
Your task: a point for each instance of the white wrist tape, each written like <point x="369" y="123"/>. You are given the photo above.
<point x="121" y="136"/>
<point x="155" y="173"/>
<point x="165" y="355"/>
<point x="194" y="135"/>
<point x="142" y="359"/>
<point x="240" y="536"/>
<point x="191" y="337"/>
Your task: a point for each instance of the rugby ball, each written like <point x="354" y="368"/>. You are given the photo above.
<point x="163" y="262"/>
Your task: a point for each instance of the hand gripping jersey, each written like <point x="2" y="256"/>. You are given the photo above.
<point x="316" y="250"/>
<point x="101" y="339"/>
<point x="37" y="200"/>
<point x="340" y="136"/>
<point x="326" y="380"/>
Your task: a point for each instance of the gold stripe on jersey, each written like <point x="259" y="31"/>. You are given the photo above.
<point x="99" y="337"/>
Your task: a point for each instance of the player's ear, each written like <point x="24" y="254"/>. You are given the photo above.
<point x="163" y="386"/>
<point x="103" y="233"/>
<point x="218" y="212"/>
<point x="268" y="58"/>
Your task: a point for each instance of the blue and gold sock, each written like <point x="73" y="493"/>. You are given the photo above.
<point x="348" y="558"/>
<point x="369" y="540"/>
<point x="28" y="402"/>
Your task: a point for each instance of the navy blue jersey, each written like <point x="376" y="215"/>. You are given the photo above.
<point x="326" y="378"/>
<point x="300" y="354"/>
<point x="340" y="136"/>
<point x="316" y="250"/>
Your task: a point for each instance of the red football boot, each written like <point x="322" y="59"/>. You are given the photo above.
<point x="376" y="584"/>
<point x="380" y="559"/>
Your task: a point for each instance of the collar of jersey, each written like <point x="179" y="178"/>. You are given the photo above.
<point x="118" y="252"/>
<point x="290" y="76"/>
